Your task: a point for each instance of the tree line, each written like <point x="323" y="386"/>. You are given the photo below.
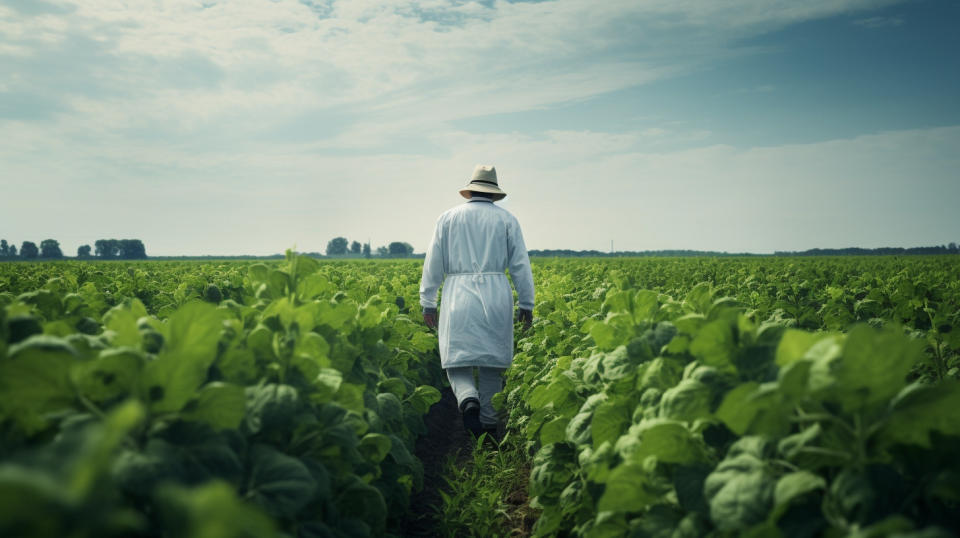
<point x="853" y="251"/>
<point x="882" y="251"/>
<point x="567" y="253"/>
<point x="340" y="246"/>
<point x="49" y="249"/>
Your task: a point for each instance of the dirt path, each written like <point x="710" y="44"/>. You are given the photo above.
<point x="445" y="436"/>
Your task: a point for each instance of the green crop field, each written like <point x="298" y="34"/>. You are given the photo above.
<point x="652" y="397"/>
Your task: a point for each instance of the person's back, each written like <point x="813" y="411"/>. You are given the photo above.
<point x="476" y="237"/>
<point x="473" y="244"/>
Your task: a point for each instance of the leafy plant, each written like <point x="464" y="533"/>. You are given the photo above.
<point x="211" y="400"/>
<point x="706" y="406"/>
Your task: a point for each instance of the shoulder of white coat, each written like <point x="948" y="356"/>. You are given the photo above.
<point x="452" y="211"/>
<point x="507" y="215"/>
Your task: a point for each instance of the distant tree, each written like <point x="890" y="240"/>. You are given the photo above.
<point x="13" y="251"/>
<point x="50" y="248"/>
<point x="337" y="246"/>
<point x="366" y="250"/>
<point x="952" y="246"/>
<point x="382" y="252"/>
<point x="127" y="249"/>
<point x="132" y="249"/>
<point x="355" y="247"/>
<point x="400" y="249"/>
<point x="83" y="251"/>
<point x="4" y="248"/>
<point x="29" y="250"/>
<point x="106" y="248"/>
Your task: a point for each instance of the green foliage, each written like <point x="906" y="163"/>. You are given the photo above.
<point x="482" y="491"/>
<point x="741" y="397"/>
<point x="795" y="397"/>
<point x="189" y="399"/>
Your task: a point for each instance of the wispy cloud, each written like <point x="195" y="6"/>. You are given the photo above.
<point x="248" y="124"/>
<point x="879" y="22"/>
<point x="763" y="88"/>
<point x="182" y="64"/>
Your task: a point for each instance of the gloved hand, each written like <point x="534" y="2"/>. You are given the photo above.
<point x="430" y="317"/>
<point x="526" y="317"/>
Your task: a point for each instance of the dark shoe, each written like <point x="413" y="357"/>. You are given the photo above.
<point x="470" y="409"/>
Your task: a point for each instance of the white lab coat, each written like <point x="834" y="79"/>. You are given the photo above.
<point x="472" y="245"/>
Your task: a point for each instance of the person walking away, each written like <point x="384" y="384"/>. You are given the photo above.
<point x="473" y="244"/>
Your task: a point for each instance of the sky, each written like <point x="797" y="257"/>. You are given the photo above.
<point x="253" y="126"/>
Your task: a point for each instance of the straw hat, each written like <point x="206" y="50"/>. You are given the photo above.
<point x="484" y="180"/>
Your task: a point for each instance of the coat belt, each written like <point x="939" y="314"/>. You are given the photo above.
<point x="478" y="275"/>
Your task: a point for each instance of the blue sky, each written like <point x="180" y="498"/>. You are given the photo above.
<point x="251" y="126"/>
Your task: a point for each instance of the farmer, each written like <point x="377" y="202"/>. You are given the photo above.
<point x="471" y="247"/>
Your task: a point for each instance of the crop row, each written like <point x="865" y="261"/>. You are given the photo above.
<point x="795" y="397"/>
<point x="773" y="398"/>
<point x="210" y="399"/>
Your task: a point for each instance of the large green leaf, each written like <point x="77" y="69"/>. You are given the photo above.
<point x="919" y="410"/>
<point x="350" y="396"/>
<point x="874" y="367"/>
<point x="699" y="299"/>
<point x="35" y="379"/>
<point x="122" y="320"/>
<point x="365" y="504"/>
<point x="258" y="273"/>
<point x="645" y="305"/>
<point x="239" y="366"/>
<point x="750" y="409"/>
<point x="604" y="334"/>
<point x="740" y="493"/>
<point x="628" y="489"/>
<point x="661" y="373"/>
<point x="689" y="400"/>
<point x="375" y="446"/>
<point x="554" y="430"/>
<point x="794" y="485"/>
<point x="794" y="345"/>
<point x="423" y="398"/>
<point x="618" y="364"/>
<point x="668" y="441"/>
<point x="190" y="347"/>
<point x="327" y="383"/>
<point x="715" y="344"/>
<point x="220" y="405"/>
<point x="313" y="286"/>
<point x="114" y="373"/>
<point x="556" y="392"/>
<point x="553" y="467"/>
<point x="281" y="484"/>
<point x="335" y="315"/>
<point x="271" y="407"/>
<point x="610" y="419"/>
<point x="211" y="511"/>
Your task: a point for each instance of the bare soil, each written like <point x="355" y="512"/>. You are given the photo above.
<point x="445" y="436"/>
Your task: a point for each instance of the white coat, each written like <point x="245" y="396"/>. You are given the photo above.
<point x="472" y="245"/>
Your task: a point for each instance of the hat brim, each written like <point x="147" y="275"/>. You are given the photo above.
<point x="480" y="187"/>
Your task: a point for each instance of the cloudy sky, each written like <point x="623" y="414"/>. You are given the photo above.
<point x="251" y="126"/>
